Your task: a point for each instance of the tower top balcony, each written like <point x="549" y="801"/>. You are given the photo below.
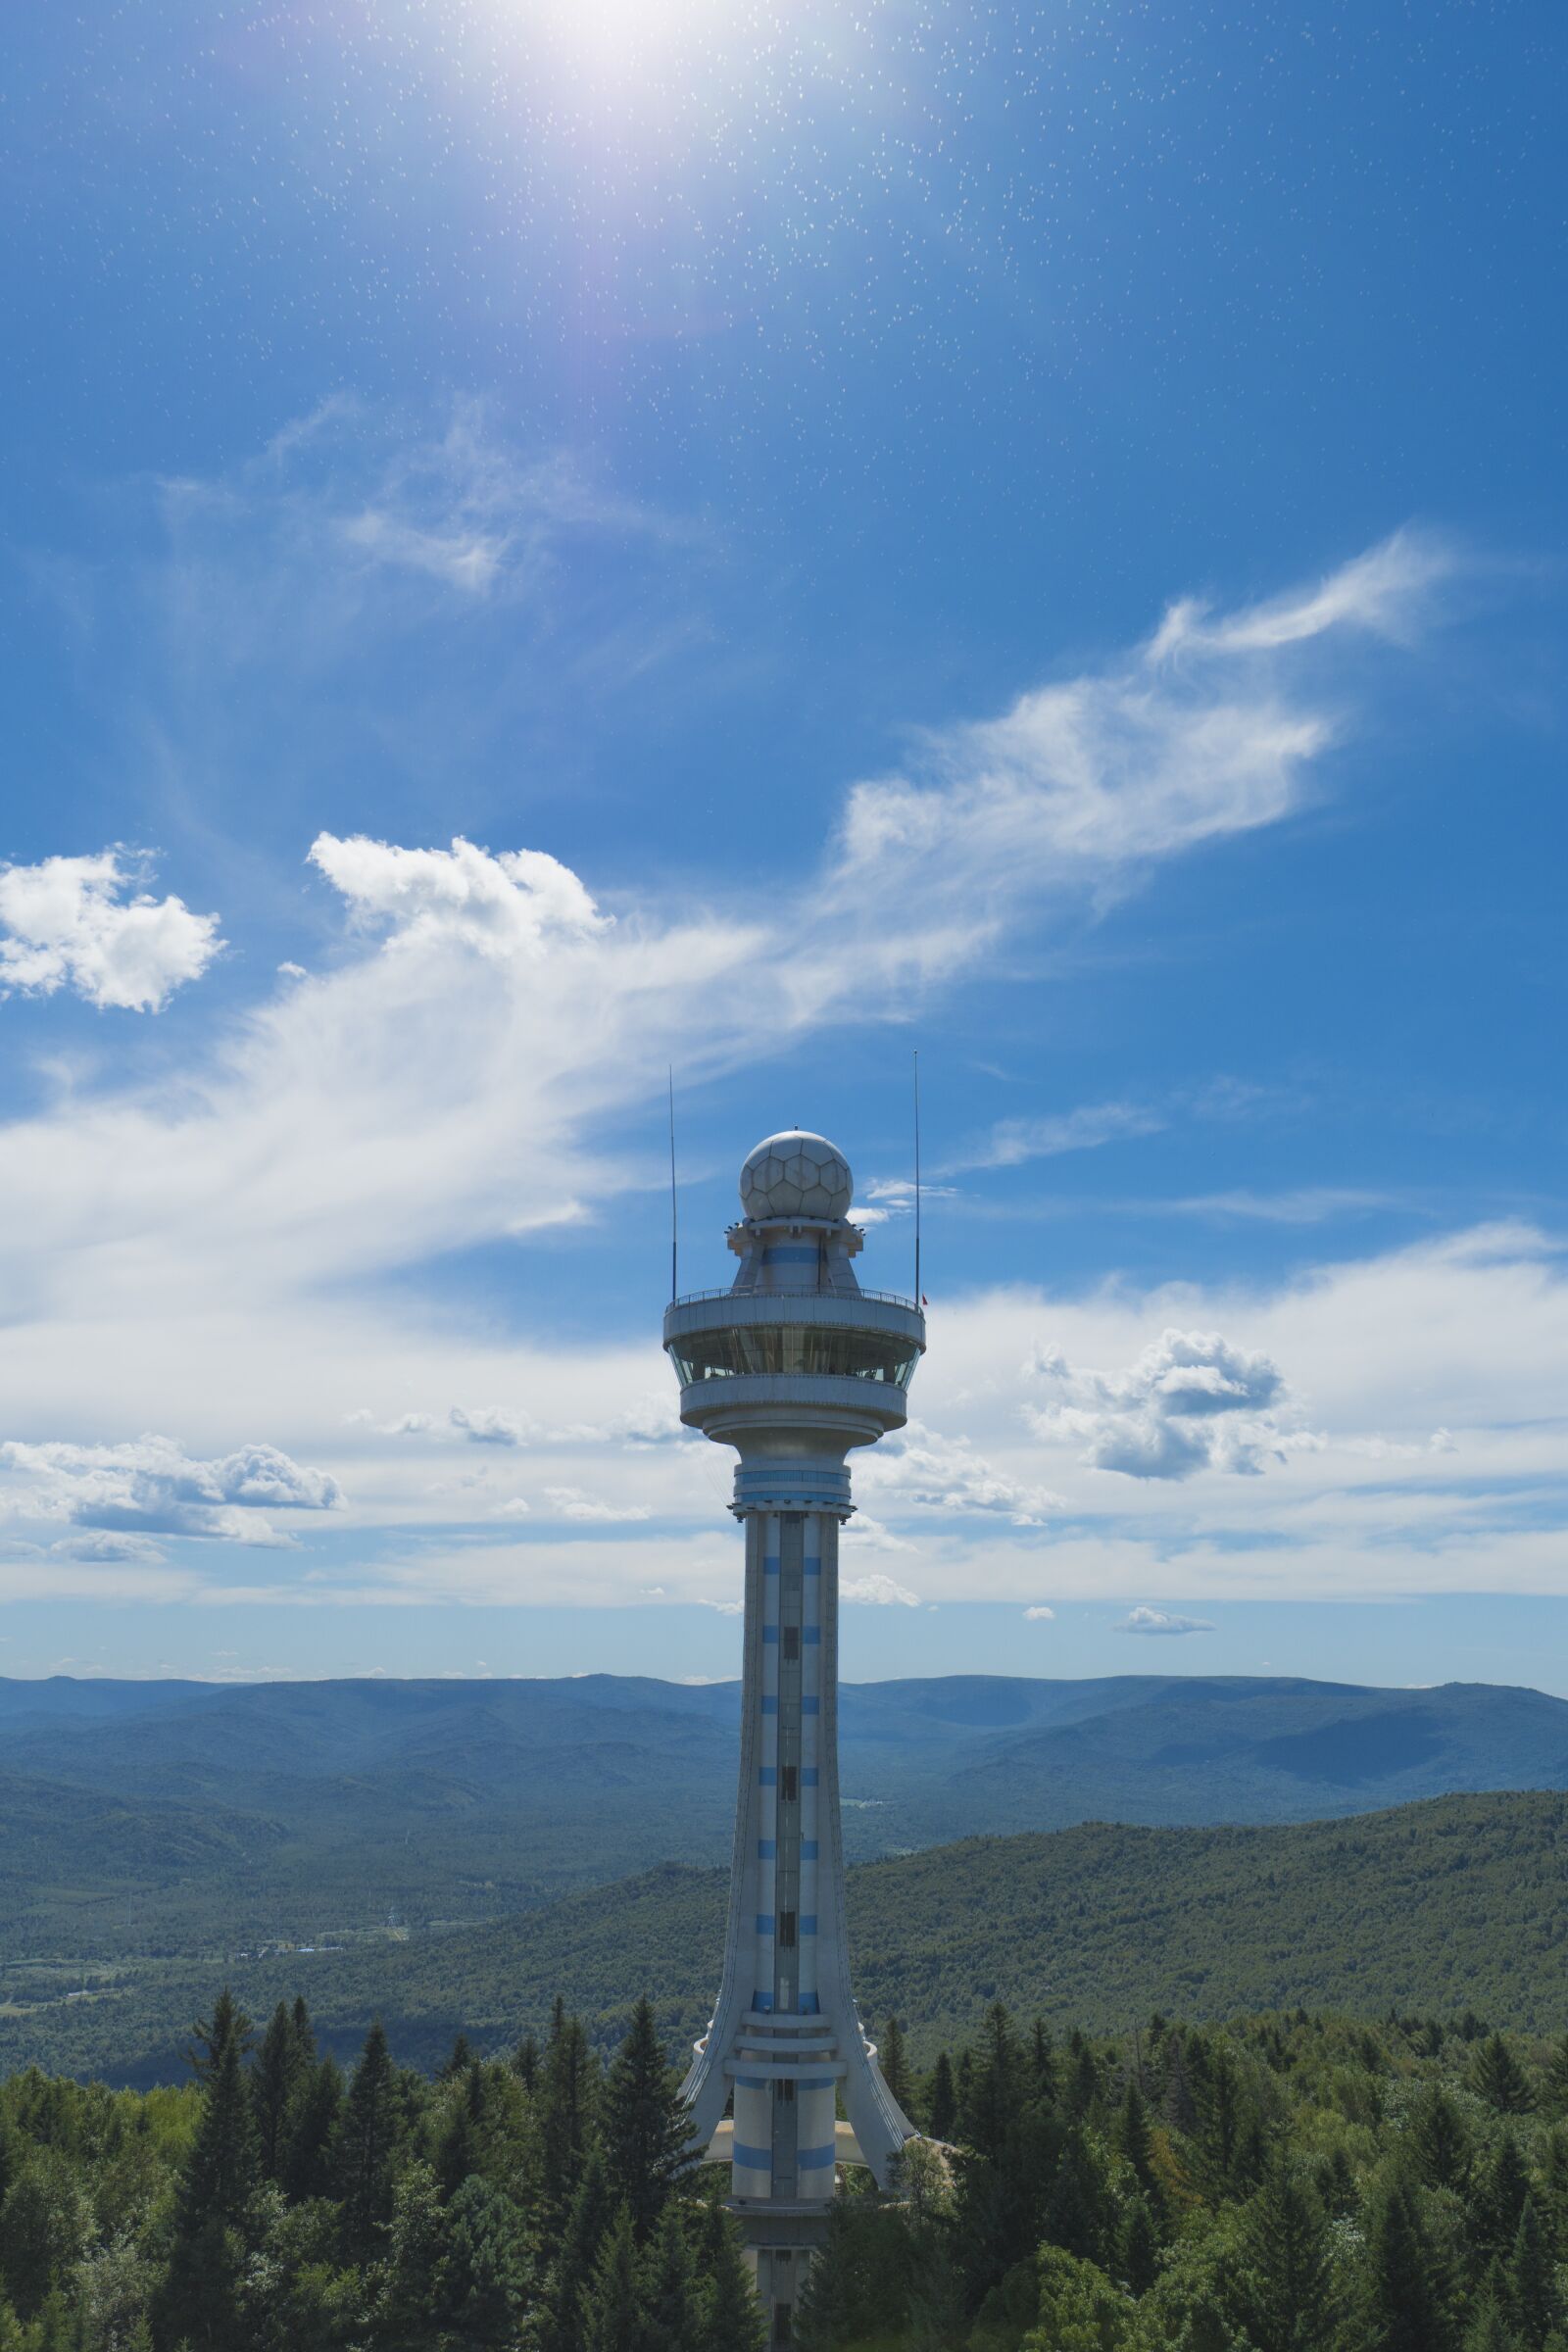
<point x="795" y="1355"/>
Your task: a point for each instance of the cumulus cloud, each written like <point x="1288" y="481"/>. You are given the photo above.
<point x="1191" y="1401"/>
<point x="152" y="1486"/>
<point x="1040" y="1614"/>
<point x="506" y="903"/>
<point x="86" y="924"/>
<point x="91" y="1545"/>
<point x="482" y="1424"/>
<point x="919" y="1468"/>
<point x="880" y="1591"/>
<point x="1161" y="1621"/>
<point x="570" y="1503"/>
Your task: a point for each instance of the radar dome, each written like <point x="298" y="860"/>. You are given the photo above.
<point x="796" y="1175"/>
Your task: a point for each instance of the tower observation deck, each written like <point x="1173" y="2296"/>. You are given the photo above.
<point x="794" y="1365"/>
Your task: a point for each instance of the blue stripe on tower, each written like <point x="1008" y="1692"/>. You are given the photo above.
<point x="767" y="1776"/>
<point x="770" y="1567"/>
<point x="753" y="2160"/>
<point x="809" y="1775"/>
<point x="767" y="1849"/>
<point x="809" y="1707"/>
<point x="810" y="1851"/>
<point x="810" y="2160"/>
<point x="769" y="1702"/>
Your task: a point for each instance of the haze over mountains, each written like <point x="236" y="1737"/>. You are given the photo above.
<point x="161" y="1818"/>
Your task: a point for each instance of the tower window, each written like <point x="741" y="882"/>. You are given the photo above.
<point x="788" y="1779"/>
<point x="792" y="1640"/>
<point x="785" y="2092"/>
<point x="786" y="1930"/>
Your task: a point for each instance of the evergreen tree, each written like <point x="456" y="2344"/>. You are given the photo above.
<point x="1440" y="2144"/>
<point x="611" y="2308"/>
<point x="1407" y="2308"/>
<point x="1043" y="2063"/>
<point x="824" y="2307"/>
<point x="526" y="2063"/>
<point x="458" y="2148"/>
<point x="1489" y="2330"/>
<point x="366" y="2145"/>
<point x="1532" y="2299"/>
<point x="1075" y="2211"/>
<point x="1497" y="2077"/>
<point x="481" y="2279"/>
<point x="1133" y="2137"/>
<point x="1497" y="2201"/>
<point x="459" y="2061"/>
<point x="1285" y="2292"/>
<point x="304" y="2032"/>
<point x="224" y="2164"/>
<point x="11" y="2338"/>
<point x="1554" y="2090"/>
<point x="211" y="2036"/>
<point x="669" y="2295"/>
<point x="733" y="2319"/>
<point x="1081" y="2086"/>
<point x="569" y="2102"/>
<point x="587" y="2224"/>
<point x="275" y="2079"/>
<point x="942" y="2099"/>
<point x="309" y="2131"/>
<point x="894" y="2067"/>
<point x="405" y="2317"/>
<point x="997" y="2214"/>
<point x="1138" y="2247"/>
<point x="645" y="2128"/>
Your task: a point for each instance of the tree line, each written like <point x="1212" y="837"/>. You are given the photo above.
<point x="1283" y="2183"/>
<point x="273" y="2205"/>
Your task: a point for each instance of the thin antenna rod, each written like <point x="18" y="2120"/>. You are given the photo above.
<point x="917" y="1179"/>
<point x="674" y="1211"/>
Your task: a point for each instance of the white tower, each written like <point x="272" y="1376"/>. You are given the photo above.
<point x="793" y="1365"/>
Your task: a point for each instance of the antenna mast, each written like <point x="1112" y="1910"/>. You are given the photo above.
<point x="917" y="1178"/>
<point x="674" y="1212"/>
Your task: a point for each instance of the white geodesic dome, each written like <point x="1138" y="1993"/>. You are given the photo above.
<point x="796" y="1175"/>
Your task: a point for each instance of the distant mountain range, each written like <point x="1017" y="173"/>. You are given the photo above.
<point x="1433" y="1909"/>
<point x="162" y="1819"/>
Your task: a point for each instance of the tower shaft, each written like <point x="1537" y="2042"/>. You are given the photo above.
<point x="794" y="1367"/>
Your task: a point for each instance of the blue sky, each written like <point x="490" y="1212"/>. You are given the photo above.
<point x="543" y="542"/>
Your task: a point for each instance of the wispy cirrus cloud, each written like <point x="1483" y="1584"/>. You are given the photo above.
<point x="478" y="1024"/>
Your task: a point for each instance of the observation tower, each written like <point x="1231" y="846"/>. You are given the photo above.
<point x="794" y="1365"/>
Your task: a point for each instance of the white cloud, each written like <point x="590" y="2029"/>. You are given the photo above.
<point x="1191" y="1401"/>
<point x="1161" y="1621"/>
<point x="570" y="1503"/>
<point x="918" y="1467"/>
<point x="1040" y="1614"/>
<point x="1011" y="1142"/>
<point x="446" y="1073"/>
<point x="84" y="923"/>
<point x="1386" y="593"/>
<point x="91" y="1545"/>
<point x="482" y="1424"/>
<point x="153" y="1485"/>
<point x="515" y="903"/>
<point x="881" y="1590"/>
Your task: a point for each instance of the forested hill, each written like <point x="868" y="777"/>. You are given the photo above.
<point x="1457" y="1905"/>
<point x="148" y="1819"/>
